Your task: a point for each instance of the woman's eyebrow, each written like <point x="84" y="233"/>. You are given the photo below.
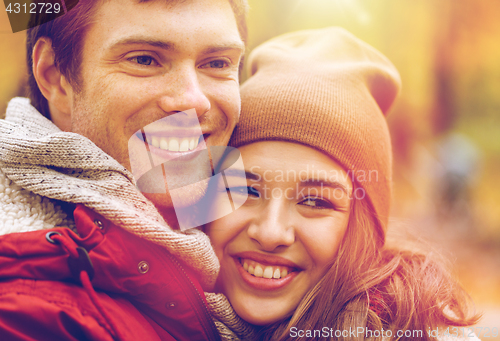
<point x="324" y="182"/>
<point x="241" y="173"/>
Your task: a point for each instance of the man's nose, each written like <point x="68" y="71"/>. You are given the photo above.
<point x="272" y="227"/>
<point x="184" y="92"/>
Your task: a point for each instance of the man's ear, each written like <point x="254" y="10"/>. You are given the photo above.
<point x="52" y="84"/>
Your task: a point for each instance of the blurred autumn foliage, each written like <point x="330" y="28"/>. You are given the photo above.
<point x="445" y="125"/>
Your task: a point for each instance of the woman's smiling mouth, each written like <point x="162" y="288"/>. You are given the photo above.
<point x="263" y="272"/>
<point x="260" y="270"/>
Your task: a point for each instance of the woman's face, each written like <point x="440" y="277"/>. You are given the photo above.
<point x="281" y="241"/>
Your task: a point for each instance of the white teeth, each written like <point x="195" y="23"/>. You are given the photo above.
<point x="258" y="271"/>
<point x="173" y="145"/>
<point x="155" y="142"/>
<point x="268" y="272"/>
<point x="184" y="147"/>
<point x="276" y="273"/>
<point x="163" y="143"/>
<point x="194" y="143"/>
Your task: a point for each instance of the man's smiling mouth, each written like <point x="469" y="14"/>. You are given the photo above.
<point x="174" y="144"/>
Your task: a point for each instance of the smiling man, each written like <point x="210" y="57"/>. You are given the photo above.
<point x="98" y="259"/>
<point x="132" y="74"/>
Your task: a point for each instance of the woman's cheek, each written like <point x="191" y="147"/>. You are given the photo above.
<point x="322" y="241"/>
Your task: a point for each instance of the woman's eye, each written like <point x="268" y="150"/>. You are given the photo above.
<point x="245" y="190"/>
<point x="253" y="192"/>
<point x="143" y="60"/>
<point x="317" y="203"/>
<point x="216" y="64"/>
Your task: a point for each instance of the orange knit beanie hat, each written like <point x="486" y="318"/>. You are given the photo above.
<point x="328" y="90"/>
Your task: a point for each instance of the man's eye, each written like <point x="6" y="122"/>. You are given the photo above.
<point x="216" y="64"/>
<point x="316" y="203"/>
<point x="143" y="60"/>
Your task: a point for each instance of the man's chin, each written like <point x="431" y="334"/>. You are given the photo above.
<point x="185" y="204"/>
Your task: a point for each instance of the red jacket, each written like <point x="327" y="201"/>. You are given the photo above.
<point x="138" y="291"/>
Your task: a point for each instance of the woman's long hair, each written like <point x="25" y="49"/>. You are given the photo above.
<point x="370" y="288"/>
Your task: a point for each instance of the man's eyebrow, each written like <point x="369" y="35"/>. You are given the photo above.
<point x="224" y="47"/>
<point x="324" y="182"/>
<point x="165" y="45"/>
<point x="142" y="41"/>
<point x="240" y="172"/>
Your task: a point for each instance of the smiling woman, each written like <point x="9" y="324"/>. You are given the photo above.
<point x="278" y="245"/>
<point x="305" y="256"/>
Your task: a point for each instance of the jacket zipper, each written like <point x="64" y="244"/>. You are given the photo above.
<point x="208" y="318"/>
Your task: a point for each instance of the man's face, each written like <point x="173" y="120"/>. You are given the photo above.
<point x="143" y="62"/>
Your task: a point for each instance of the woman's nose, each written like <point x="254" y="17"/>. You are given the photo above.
<point x="272" y="228"/>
